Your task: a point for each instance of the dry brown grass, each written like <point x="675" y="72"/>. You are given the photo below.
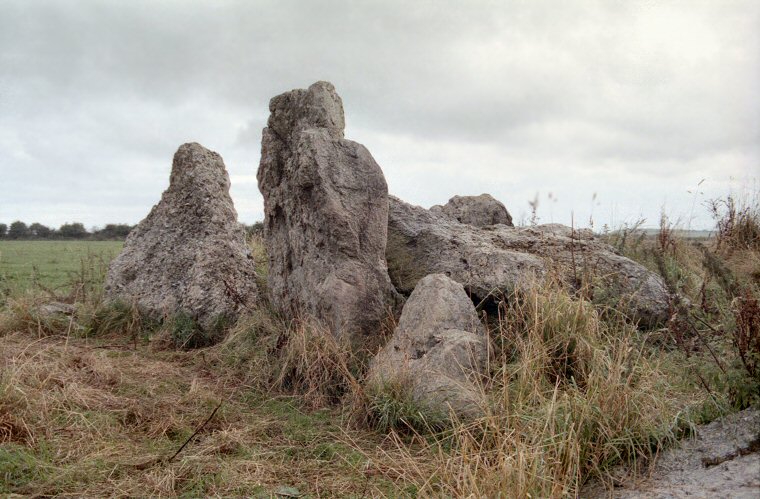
<point x="738" y="221"/>
<point x="569" y="395"/>
<point x="79" y="417"/>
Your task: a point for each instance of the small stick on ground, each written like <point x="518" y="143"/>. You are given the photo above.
<point x="196" y="432"/>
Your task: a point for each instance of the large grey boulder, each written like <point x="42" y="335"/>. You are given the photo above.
<point x="189" y="254"/>
<point x="480" y="211"/>
<point x="492" y="261"/>
<point x="326" y="215"/>
<point x="439" y="348"/>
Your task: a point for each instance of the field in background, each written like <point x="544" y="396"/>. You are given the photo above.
<point x="52" y="264"/>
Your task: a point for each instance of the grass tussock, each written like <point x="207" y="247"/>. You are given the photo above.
<point x="316" y="365"/>
<point x="737" y="222"/>
<point x="389" y="406"/>
<point x="27" y="313"/>
<point x="301" y="358"/>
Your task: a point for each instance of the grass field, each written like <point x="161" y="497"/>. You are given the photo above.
<point x="52" y="264"/>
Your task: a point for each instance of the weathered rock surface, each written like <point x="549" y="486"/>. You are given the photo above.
<point x="494" y="260"/>
<point x="723" y="460"/>
<point x="438" y="347"/>
<point x="189" y="254"/>
<point x="326" y="213"/>
<point x="480" y="211"/>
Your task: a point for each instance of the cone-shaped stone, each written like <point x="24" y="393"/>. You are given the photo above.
<point x="189" y="254"/>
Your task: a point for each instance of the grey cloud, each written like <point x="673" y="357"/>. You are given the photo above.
<point x="96" y="96"/>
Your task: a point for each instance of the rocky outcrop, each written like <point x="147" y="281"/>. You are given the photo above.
<point x="189" y="254"/>
<point x="480" y="211"/>
<point x="491" y="261"/>
<point x="439" y="347"/>
<point x="326" y="213"/>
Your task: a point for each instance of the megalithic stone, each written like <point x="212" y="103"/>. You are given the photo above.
<point x="189" y="255"/>
<point x="326" y="215"/>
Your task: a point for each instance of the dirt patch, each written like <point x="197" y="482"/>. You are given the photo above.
<point x="722" y="460"/>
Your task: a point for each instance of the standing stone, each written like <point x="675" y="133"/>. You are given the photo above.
<point x="326" y="216"/>
<point x="480" y="211"/>
<point x="439" y="348"/>
<point x="189" y="254"/>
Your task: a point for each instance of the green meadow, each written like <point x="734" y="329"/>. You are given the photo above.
<point x="52" y="265"/>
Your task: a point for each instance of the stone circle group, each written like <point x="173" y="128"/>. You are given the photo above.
<point x="343" y="252"/>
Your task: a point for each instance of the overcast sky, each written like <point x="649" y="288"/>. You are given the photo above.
<point x="606" y="109"/>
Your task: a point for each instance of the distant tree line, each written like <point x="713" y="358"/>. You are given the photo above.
<point x="74" y="230"/>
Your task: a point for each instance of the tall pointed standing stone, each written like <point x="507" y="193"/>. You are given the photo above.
<point x="326" y="215"/>
<point x="189" y="254"/>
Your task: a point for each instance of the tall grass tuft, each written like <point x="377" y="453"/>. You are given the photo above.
<point x="570" y="395"/>
<point x="737" y="222"/>
<point x="389" y="406"/>
<point x="120" y="318"/>
<point x="314" y="364"/>
<point x="302" y="358"/>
